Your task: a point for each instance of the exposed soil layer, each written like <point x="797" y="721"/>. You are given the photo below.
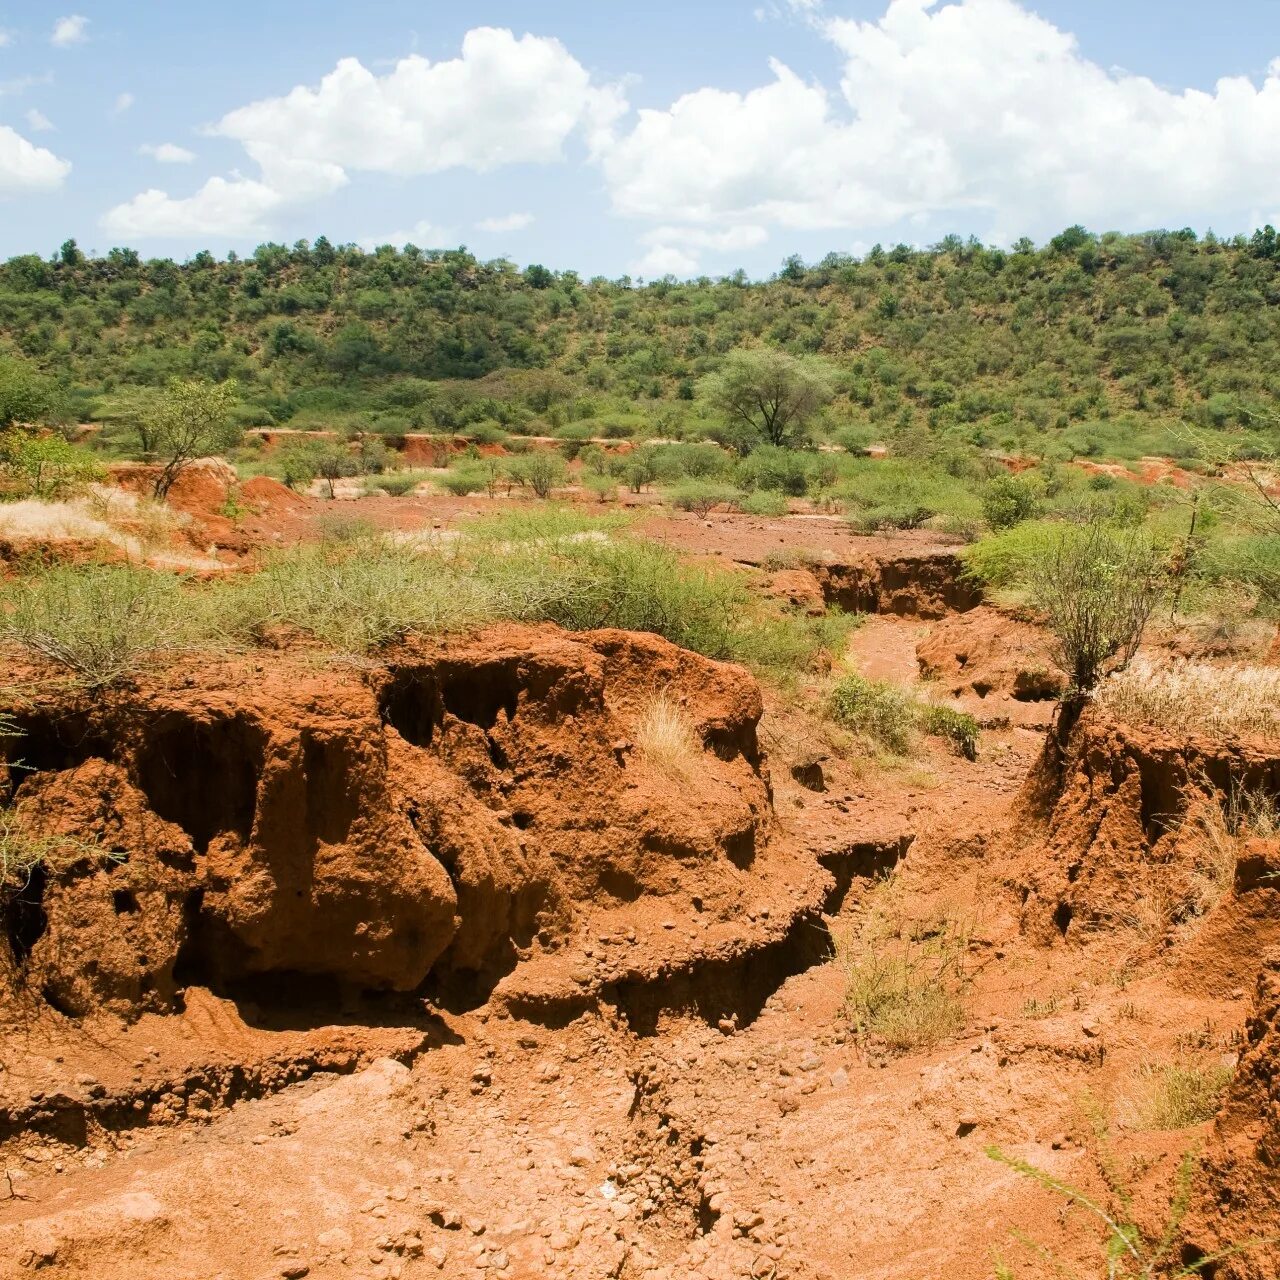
<point x="435" y="968"/>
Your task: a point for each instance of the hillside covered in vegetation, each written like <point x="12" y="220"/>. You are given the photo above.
<point x="1093" y="345"/>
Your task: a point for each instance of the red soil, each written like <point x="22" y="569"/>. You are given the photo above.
<point x="427" y="969"/>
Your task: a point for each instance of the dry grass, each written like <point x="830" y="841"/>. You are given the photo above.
<point x="667" y="738"/>
<point x="1178" y="1094"/>
<point x="905" y="978"/>
<point x="1189" y="696"/>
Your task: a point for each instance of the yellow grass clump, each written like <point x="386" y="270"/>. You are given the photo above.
<point x="1195" y="697"/>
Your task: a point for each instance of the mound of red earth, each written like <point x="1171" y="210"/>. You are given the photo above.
<point x="1119" y="840"/>
<point x="1238" y="1201"/>
<point x="986" y="650"/>
<point x="439" y="819"/>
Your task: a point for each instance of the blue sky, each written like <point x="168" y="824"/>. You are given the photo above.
<point x="618" y="139"/>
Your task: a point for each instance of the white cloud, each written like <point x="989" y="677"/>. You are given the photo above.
<point x="38" y="121"/>
<point x="122" y="103"/>
<point x="426" y="235"/>
<point x="20" y="84"/>
<point x="665" y="260"/>
<point x="6" y="38"/>
<point x="508" y="222"/>
<point x="730" y="240"/>
<point x="977" y="110"/>
<point x="167" y="153"/>
<point x="502" y="101"/>
<point x="25" y="167"/>
<point x="234" y="207"/>
<point x="69" y="31"/>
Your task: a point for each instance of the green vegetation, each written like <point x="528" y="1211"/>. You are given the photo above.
<point x="99" y="621"/>
<point x="354" y="592"/>
<point x="891" y="717"/>
<point x="1127" y="1251"/>
<point x="1090" y="346"/>
<point x="191" y="419"/>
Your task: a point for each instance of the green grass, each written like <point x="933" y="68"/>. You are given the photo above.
<point x="891" y="717"/>
<point x="355" y="592"/>
<point x="101" y="622"/>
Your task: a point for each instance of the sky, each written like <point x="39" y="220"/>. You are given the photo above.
<point x="671" y="138"/>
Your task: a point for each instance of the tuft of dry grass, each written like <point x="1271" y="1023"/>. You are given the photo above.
<point x="666" y="736"/>
<point x="905" y="979"/>
<point x="1178" y="1094"/>
<point x="1183" y="696"/>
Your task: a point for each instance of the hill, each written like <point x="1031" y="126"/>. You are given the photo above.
<point x="1090" y="344"/>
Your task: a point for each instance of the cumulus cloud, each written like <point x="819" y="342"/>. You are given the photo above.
<point x="70" y="30"/>
<point x="508" y="222"/>
<point x="233" y="207"/>
<point x="503" y="100"/>
<point x="674" y="249"/>
<point x="38" y="121"/>
<point x="26" y="168"/>
<point x="425" y="234"/>
<point x="167" y="153"/>
<point x="978" y="110"/>
<point x="665" y="260"/>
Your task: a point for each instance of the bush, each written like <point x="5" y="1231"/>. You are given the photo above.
<point x="461" y="481"/>
<point x="602" y="486"/>
<point x="880" y="711"/>
<point x="1097" y="586"/>
<point x="891" y="717"/>
<point x="540" y="470"/>
<point x="958" y="727"/>
<point x="397" y="483"/>
<point x="763" y="503"/>
<point x="99" y="621"/>
<point x="1009" y="500"/>
<point x="700" y="496"/>
<point x="897" y="494"/>
<point x="775" y="470"/>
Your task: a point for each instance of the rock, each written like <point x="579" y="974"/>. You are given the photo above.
<point x="839" y="1078"/>
<point x="809" y="774"/>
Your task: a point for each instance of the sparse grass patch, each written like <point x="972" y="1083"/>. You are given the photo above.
<point x="1219" y="701"/>
<point x="666" y="736"/>
<point x="1179" y="1094"/>
<point x="875" y="709"/>
<point x="905" y="979"/>
<point x="890" y="717"/>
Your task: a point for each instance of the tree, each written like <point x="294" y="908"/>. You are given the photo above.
<point x="768" y="392"/>
<point x="1098" y="586"/>
<point x="333" y="462"/>
<point x="25" y="396"/>
<point x="45" y="464"/>
<point x="191" y="419"/>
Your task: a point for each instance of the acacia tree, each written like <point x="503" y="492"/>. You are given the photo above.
<point x="1098" y="586"/>
<point x="768" y="394"/>
<point x="191" y="419"/>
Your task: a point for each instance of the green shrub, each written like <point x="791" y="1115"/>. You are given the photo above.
<point x="895" y="493"/>
<point x="889" y="715"/>
<point x="99" y="621"/>
<point x="763" y="503"/>
<point x="397" y="483"/>
<point x="702" y="496"/>
<point x="775" y="470"/>
<point x="462" y="480"/>
<point x="880" y="711"/>
<point x="1009" y="500"/>
<point x="540" y="470"/>
<point x="958" y="727"/>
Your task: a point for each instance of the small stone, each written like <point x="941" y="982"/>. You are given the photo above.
<point x="839" y="1078"/>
